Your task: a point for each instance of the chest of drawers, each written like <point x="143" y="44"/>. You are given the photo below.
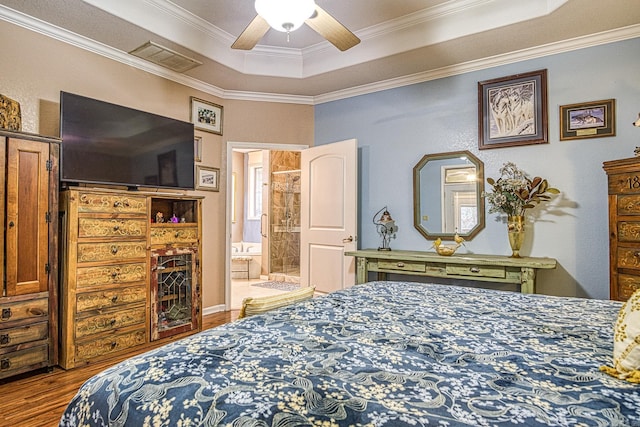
<point x="105" y="286"/>
<point x="623" y="178"/>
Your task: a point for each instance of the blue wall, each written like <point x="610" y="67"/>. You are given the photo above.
<point x="396" y="127"/>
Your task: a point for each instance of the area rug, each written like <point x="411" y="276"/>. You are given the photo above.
<point x="281" y="286"/>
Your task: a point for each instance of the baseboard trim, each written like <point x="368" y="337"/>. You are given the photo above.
<point x="214" y="309"/>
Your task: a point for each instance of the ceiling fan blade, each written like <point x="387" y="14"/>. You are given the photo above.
<point x="332" y="30"/>
<point x="252" y="34"/>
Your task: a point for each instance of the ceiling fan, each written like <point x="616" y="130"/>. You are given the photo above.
<point x="289" y="15"/>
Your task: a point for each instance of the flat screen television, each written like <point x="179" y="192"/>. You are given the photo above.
<point x="104" y="143"/>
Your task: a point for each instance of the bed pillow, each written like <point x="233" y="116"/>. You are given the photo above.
<point x="252" y="306"/>
<point x="626" y="342"/>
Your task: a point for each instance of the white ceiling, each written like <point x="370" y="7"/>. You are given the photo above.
<point x="403" y="41"/>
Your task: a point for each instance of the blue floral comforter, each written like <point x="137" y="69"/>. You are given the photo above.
<point x="379" y="354"/>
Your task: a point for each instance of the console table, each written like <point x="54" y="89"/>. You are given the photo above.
<point x="488" y="268"/>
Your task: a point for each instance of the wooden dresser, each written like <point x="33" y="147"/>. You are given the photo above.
<point x="624" y="226"/>
<point x="106" y="288"/>
<point x="28" y="213"/>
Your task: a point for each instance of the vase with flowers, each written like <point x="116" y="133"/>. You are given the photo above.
<point x="513" y="193"/>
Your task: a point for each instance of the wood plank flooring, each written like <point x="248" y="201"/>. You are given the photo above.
<point x="38" y="399"/>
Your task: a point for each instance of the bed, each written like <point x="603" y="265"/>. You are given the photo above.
<point x="379" y="354"/>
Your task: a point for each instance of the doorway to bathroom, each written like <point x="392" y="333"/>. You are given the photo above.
<point x="265" y="221"/>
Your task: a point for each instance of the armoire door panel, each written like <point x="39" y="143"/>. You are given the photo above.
<point x="27" y="236"/>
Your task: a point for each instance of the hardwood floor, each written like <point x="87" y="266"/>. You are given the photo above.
<point x="38" y="399"/>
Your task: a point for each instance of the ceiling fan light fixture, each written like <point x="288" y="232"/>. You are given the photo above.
<point x="285" y="15"/>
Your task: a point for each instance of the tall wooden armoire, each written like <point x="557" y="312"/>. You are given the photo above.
<point x="28" y="250"/>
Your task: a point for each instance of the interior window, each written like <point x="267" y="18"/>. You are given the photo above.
<point x="255" y="192"/>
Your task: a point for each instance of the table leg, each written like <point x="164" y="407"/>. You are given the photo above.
<point x="361" y="270"/>
<point x="528" y="280"/>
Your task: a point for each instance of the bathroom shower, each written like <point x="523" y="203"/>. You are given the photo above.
<point x="285" y="226"/>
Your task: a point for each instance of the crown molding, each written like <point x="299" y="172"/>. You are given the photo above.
<point x="65" y="36"/>
<point x="612" y="36"/>
<point x="453" y="19"/>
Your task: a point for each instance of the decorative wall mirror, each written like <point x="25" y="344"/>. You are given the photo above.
<point x="447" y="195"/>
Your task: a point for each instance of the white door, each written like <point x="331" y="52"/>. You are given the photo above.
<point x="329" y="215"/>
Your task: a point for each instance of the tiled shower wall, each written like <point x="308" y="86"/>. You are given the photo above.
<point x="284" y="251"/>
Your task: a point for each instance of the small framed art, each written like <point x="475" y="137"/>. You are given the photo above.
<point x="207" y="178"/>
<point x="197" y="148"/>
<point x="588" y="120"/>
<point x="206" y="116"/>
<point x="513" y="110"/>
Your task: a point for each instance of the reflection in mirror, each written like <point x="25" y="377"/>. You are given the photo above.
<point x="447" y="195"/>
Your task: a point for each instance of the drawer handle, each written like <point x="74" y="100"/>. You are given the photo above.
<point x="114" y="299"/>
<point x="116" y="204"/>
<point x="116" y="227"/>
<point x="114" y="249"/>
<point x="6" y="313"/>
<point x="113" y="322"/>
<point x="400" y="264"/>
<point x="636" y="254"/>
<point x="114" y="274"/>
<point x="475" y="269"/>
<point x="5" y="364"/>
<point x="177" y="234"/>
<point x="114" y="345"/>
<point x="4" y="339"/>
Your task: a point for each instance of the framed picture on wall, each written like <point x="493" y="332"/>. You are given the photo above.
<point x="513" y="110"/>
<point x="206" y="116"/>
<point x="588" y="120"/>
<point x="207" y="178"/>
<point x="197" y="148"/>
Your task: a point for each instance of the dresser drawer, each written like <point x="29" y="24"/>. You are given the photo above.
<point x="108" y="345"/>
<point x="111" y="274"/>
<point x="497" y="272"/>
<point x="629" y="205"/>
<point x="115" y="320"/>
<point x="111" y="203"/>
<point x="16" y="360"/>
<point x="115" y="297"/>
<point x="624" y="183"/>
<point x="111" y="251"/>
<point x="33" y="309"/>
<point x="628" y="257"/>
<point x="170" y="235"/>
<point x="23" y="334"/>
<point x="413" y="266"/>
<point x="112" y="227"/>
<point x="629" y="231"/>
<point x="627" y="285"/>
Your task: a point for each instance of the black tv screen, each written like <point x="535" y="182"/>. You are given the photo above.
<point x="104" y="143"/>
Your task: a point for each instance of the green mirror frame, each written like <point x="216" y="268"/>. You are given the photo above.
<point x="447" y="195"/>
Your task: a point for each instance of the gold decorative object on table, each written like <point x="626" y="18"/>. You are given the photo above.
<point x="10" y="116"/>
<point x="448" y="250"/>
<point x="515" y="229"/>
<point x="513" y="193"/>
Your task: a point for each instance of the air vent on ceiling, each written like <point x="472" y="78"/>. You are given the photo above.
<point x="165" y="57"/>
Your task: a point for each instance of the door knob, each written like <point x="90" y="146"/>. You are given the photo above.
<point x="348" y="239"/>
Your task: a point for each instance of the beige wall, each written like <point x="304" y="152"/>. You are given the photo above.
<point x="36" y="68"/>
